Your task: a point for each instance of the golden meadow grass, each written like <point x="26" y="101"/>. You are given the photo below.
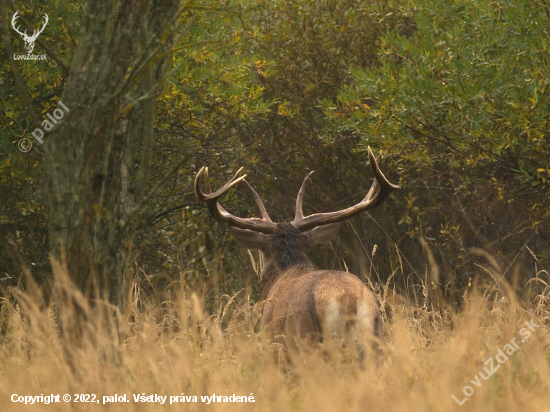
<point x="173" y="348"/>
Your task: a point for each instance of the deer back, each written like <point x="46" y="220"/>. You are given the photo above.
<point x="301" y="302"/>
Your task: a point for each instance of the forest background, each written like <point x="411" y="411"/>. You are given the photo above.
<point x="114" y="279"/>
<point x="454" y="94"/>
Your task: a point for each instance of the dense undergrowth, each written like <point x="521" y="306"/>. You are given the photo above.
<point x="172" y="348"/>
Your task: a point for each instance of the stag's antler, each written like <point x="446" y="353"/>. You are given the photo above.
<point x="35" y="34"/>
<point x="263" y="225"/>
<point x="29" y="40"/>
<point x="13" y="19"/>
<point x="380" y="190"/>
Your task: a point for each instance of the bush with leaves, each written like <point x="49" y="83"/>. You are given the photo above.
<point x="463" y="103"/>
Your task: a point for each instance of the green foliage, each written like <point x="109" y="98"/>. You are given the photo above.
<point x="471" y="83"/>
<point x="455" y="92"/>
<point x="246" y="88"/>
<point x="463" y="102"/>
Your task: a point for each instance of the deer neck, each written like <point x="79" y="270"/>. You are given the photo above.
<point x="288" y="263"/>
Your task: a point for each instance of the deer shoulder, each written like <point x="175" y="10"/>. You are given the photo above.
<point x="300" y="301"/>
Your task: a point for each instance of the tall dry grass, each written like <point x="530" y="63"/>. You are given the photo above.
<point x="173" y="348"/>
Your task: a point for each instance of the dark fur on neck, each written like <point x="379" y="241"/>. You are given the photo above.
<point x="285" y="250"/>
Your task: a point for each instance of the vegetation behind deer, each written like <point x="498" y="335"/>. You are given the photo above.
<point x="175" y="348"/>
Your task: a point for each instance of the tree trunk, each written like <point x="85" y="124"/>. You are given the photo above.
<point x="98" y="158"/>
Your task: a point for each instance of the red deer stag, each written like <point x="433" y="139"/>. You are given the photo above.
<point x="302" y="302"/>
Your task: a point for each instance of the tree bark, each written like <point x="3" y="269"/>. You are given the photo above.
<point x="97" y="160"/>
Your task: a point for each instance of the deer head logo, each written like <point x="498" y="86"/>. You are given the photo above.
<point x="29" y="40"/>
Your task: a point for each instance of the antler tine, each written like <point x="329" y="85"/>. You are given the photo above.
<point x="380" y="189"/>
<point x="264" y="225"/>
<point x="259" y="203"/>
<point x="211" y="199"/>
<point x="44" y="26"/>
<point x="299" y="213"/>
<point x="207" y="182"/>
<point x="13" y="19"/>
<point x="209" y="196"/>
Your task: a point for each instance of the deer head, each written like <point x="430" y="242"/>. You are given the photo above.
<point x="301" y="301"/>
<point x="29" y="40"/>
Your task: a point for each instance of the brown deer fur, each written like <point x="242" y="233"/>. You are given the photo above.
<point x="302" y="303"/>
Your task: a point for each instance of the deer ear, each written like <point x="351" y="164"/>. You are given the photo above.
<point x="248" y="238"/>
<point x="322" y="234"/>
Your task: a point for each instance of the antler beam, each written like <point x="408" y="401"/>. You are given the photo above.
<point x="263" y="225"/>
<point x="13" y="19"/>
<point x="379" y="191"/>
